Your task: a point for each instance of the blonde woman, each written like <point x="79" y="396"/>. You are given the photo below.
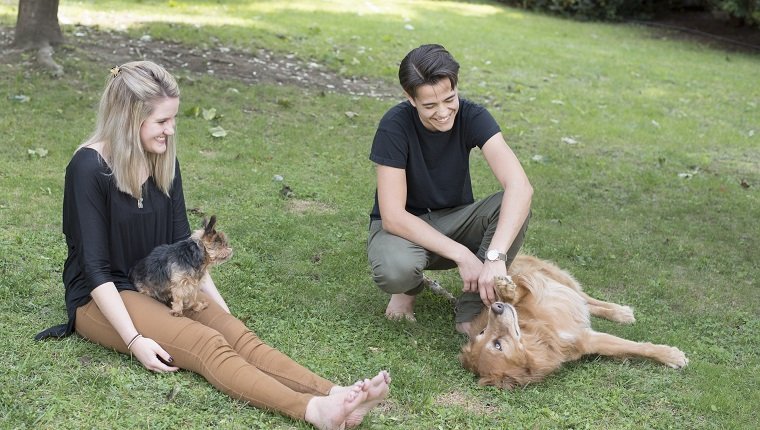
<point x="123" y="197"/>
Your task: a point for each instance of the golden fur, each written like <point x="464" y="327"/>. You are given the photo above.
<point x="543" y="321"/>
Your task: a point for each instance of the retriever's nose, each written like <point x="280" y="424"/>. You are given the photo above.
<point x="497" y="308"/>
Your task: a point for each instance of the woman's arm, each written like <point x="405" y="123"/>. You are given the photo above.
<point x="144" y="349"/>
<point x="208" y="287"/>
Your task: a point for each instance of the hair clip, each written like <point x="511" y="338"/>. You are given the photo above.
<point x="115" y="71"/>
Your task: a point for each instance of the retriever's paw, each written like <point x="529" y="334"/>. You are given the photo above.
<point x="674" y="357"/>
<point x="506" y="289"/>
<point x="624" y="315"/>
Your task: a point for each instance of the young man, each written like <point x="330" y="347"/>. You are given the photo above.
<point x="425" y="216"/>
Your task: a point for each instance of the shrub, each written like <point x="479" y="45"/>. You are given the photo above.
<point x="746" y="12"/>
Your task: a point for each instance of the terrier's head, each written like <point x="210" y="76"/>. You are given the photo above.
<point x="215" y="242"/>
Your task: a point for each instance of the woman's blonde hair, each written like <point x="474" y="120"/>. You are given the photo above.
<point x="131" y="93"/>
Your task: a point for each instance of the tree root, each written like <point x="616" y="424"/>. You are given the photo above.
<point x="45" y="59"/>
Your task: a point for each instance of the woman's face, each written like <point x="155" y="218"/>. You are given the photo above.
<point x="159" y="125"/>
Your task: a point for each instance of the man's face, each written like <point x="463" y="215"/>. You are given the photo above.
<point x="437" y="105"/>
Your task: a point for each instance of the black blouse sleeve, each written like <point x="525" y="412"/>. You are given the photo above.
<point x="181" y="226"/>
<point x="85" y="215"/>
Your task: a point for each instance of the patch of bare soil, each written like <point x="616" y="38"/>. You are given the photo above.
<point x="112" y="48"/>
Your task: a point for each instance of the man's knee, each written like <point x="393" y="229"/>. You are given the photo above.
<point x="395" y="277"/>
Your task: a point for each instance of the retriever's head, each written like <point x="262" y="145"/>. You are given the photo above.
<point x="499" y="353"/>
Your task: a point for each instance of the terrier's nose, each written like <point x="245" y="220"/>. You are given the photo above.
<point x="497" y="308"/>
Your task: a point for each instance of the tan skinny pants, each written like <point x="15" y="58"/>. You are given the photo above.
<point x="217" y="346"/>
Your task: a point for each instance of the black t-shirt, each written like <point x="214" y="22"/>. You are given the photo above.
<point x="106" y="230"/>
<point x="436" y="163"/>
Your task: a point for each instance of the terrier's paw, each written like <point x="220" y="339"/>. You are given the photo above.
<point x="200" y="305"/>
<point x="506" y="289"/>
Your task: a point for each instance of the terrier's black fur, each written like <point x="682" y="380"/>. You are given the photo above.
<point x="172" y="273"/>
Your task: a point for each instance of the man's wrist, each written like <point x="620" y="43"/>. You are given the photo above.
<point x="495" y="255"/>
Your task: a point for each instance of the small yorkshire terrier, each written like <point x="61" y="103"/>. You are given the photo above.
<point x="172" y="273"/>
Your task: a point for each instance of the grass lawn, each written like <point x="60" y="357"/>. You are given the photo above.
<point x="644" y="153"/>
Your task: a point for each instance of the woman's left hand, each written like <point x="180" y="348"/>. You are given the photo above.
<point x="152" y="356"/>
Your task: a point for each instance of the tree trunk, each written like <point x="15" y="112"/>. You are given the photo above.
<point x="37" y="27"/>
<point x="37" y="24"/>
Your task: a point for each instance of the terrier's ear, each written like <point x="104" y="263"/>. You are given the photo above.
<point x="208" y="226"/>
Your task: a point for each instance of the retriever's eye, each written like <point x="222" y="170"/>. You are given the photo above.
<point x="497" y="344"/>
<point x="481" y="332"/>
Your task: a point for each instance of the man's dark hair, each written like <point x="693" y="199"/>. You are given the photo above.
<point x="427" y="65"/>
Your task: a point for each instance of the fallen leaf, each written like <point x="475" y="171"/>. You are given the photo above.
<point x="744" y="183"/>
<point x="217" y="131"/>
<point x="193" y="111"/>
<point x="569" y="140"/>
<point x="286" y="192"/>
<point x="173" y="393"/>
<point x="196" y="211"/>
<point x="209" y="114"/>
<point x="351" y="114"/>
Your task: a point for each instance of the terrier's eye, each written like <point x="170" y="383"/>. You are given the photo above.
<point x="497" y="344"/>
<point x="481" y="332"/>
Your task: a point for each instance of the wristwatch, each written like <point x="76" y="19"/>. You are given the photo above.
<point x="495" y="255"/>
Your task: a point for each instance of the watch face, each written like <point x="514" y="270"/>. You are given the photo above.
<point x="492" y="255"/>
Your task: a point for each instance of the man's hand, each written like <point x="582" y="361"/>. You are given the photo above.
<point x="489" y="272"/>
<point x="470" y="268"/>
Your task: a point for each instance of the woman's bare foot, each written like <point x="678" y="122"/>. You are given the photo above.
<point x="376" y="389"/>
<point x="401" y="307"/>
<point x="332" y="411"/>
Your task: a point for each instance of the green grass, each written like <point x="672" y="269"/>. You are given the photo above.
<point x="612" y="209"/>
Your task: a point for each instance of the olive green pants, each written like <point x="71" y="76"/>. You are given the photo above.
<point x="217" y="346"/>
<point x="398" y="264"/>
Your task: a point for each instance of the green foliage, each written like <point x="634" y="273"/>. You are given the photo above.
<point x="746" y="11"/>
<point x="643" y="153"/>
<point x="609" y="10"/>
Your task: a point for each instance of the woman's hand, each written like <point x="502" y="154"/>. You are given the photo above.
<point x="151" y="355"/>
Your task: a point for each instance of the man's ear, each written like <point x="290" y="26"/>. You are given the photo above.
<point x="411" y="99"/>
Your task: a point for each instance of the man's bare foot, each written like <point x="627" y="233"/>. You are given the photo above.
<point x="464" y="327"/>
<point x="401" y="307"/>
<point x="331" y="412"/>
<point x="377" y="390"/>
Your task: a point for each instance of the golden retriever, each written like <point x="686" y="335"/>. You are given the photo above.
<point x="543" y="321"/>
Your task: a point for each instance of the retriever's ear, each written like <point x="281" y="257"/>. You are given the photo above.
<point x="503" y="382"/>
<point x="465" y="357"/>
